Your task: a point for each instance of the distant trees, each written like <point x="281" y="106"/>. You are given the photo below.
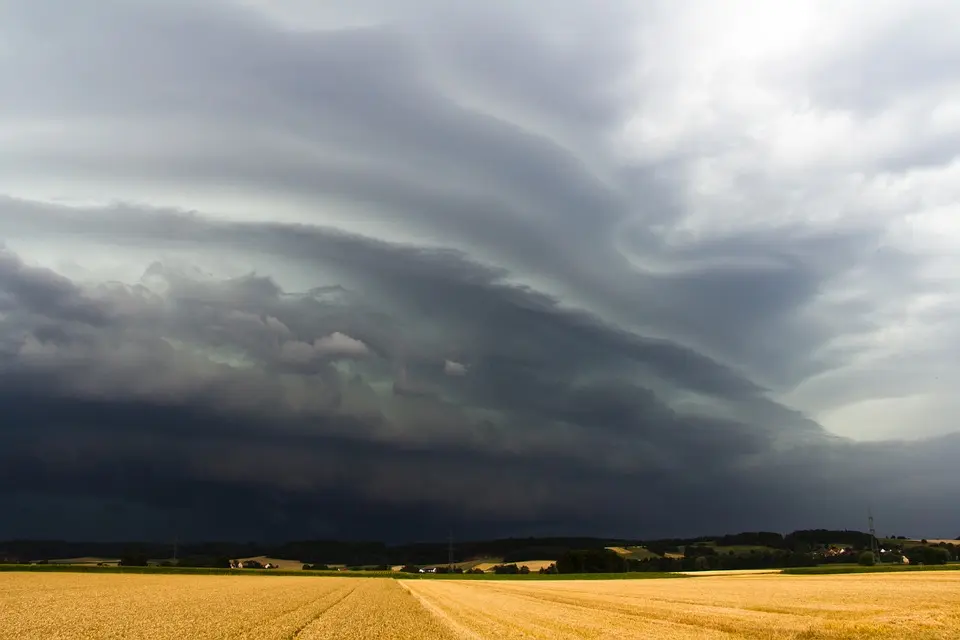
<point x="867" y="559"/>
<point x="591" y="561"/>
<point x="507" y="569"/>
<point x="134" y="560"/>
<point x="698" y="551"/>
<point x="746" y="550"/>
<point x="824" y="537"/>
<point x="752" y="538"/>
<point x="927" y="555"/>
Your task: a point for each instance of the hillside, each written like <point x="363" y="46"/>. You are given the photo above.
<point x="749" y="550"/>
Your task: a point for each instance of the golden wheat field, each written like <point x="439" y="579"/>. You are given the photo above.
<point x="65" y="605"/>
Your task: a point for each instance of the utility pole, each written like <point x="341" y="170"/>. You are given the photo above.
<point x="450" y="551"/>
<point x="874" y="547"/>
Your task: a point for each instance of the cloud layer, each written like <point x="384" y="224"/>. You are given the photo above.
<point x="414" y="265"/>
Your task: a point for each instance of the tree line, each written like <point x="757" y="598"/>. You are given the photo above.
<point x="772" y="549"/>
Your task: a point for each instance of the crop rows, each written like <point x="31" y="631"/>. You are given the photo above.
<point x="63" y="605"/>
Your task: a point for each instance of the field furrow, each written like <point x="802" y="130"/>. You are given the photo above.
<point x="918" y="606"/>
<point x="381" y="609"/>
<point x="758" y="606"/>
<point x="161" y="606"/>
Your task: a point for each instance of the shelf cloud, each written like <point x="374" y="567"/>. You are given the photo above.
<point x="392" y="268"/>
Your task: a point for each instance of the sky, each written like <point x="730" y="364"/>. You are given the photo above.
<point x="390" y="269"/>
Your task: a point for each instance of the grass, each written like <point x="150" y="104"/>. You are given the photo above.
<point x="634" y="553"/>
<point x="187" y="571"/>
<point x="636" y="575"/>
<point x="832" y="569"/>
<point x="80" y="568"/>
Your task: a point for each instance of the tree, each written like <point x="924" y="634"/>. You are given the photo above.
<point x="927" y="555"/>
<point x="133" y="560"/>
<point x="507" y="569"/>
<point x="867" y="559"/>
<point x="590" y="561"/>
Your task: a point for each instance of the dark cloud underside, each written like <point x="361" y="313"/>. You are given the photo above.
<point x="394" y="268"/>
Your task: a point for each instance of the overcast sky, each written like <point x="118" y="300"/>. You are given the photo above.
<point x="382" y="268"/>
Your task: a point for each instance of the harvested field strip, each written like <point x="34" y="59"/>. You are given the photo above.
<point x="759" y="606"/>
<point x="488" y="612"/>
<point x="380" y="609"/>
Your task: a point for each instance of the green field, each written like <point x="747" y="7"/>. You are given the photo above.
<point x="66" y="568"/>
<point x="84" y="568"/>
<point x="633" y="575"/>
<point x="829" y="569"/>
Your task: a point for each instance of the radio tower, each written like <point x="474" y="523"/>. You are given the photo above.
<point x="874" y="547"/>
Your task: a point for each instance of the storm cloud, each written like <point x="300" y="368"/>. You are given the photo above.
<point x="397" y="268"/>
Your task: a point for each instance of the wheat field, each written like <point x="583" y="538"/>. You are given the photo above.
<point x="88" y="606"/>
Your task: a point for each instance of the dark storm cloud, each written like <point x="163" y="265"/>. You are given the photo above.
<point x="431" y="280"/>
<point x="43" y="292"/>
<point x="143" y="423"/>
<point x="472" y="303"/>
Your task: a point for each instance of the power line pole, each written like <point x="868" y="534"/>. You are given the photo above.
<point x="874" y="547"/>
<point x="450" y="551"/>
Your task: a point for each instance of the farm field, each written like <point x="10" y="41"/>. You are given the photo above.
<point x="85" y="605"/>
<point x="533" y="565"/>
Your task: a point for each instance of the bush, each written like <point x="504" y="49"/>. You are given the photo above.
<point x="867" y="559"/>
<point x="133" y="560"/>
<point x="927" y="555"/>
<point x="590" y="561"/>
